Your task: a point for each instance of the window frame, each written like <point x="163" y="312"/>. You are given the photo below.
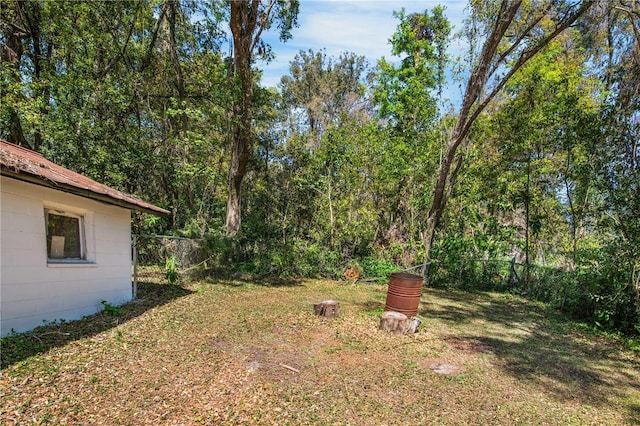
<point x="83" y="259"/>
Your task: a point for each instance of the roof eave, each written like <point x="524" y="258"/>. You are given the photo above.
<point x="86" y="193"/>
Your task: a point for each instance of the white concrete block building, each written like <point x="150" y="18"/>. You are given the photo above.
<point x="65" y="242"/>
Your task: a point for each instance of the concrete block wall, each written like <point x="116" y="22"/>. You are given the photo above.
<point x="33" y="291"/>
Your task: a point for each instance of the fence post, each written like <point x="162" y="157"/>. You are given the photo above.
<point x="425" y="269"/>
<point x="512" y="272"/>
<point x="134" y="290"/>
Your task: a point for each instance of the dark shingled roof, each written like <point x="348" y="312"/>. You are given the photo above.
<point x="29" y="166"/>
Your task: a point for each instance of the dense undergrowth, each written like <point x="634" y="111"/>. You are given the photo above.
<point x="598" y="293"/>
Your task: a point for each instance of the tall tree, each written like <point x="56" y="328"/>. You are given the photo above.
<point x="618" y="164"/>
<point x="407" y="98"/>
<point x="248" y="20"/>
<point x="326" y="89"/>
<point x="27" y="50"/>
<point x="516" y="31"/>
<point x="407" y="93"/>
<point x="323" y="108"/>
<point x="130" y="93"/>
<point x="546" y="133"/>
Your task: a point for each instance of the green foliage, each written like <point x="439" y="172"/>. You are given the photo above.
<point x="110" y="310"/>
<point x="634" y="343"/>
<point x="380" y="268"/>
<point x="602" y="297"/>
<point x="327" y="89"/>
<point x="97" y="92"/>
<point x="171" y="269"/>
<point x="20" y="346"/>
<point x="405" y="93"/>
<point x="140" y="95"/>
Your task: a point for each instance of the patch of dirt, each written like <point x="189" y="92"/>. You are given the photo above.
<point x="440" y="365"/>
<point x="444" y="368"/>
<point x="467" y="345"/>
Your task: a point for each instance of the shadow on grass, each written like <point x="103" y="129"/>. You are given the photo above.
<point x="634" y="414"/>
<point x="21" y="346"/>
<point x="570" y="368"/>
<point x="466" y="307"/>
<point x="242" y="279"/>
<point x="372" y="306"/>
<point x="537" y="346"/>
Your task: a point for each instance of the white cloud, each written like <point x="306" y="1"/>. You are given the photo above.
<point x="359" y="26"/>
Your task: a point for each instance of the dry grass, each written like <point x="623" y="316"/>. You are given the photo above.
<point x="254" y="353"/>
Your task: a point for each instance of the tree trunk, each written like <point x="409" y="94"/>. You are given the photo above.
<point x="243" y="23"/>
<point x="248" y="20"/>
<point x="236" y="174"/>
<point x="11" y="55"/>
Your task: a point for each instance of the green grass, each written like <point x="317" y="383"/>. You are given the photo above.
<point x="235" y="352"/>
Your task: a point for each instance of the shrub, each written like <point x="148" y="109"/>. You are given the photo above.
<point x="378" y="267"/>
<point x="171" y="269"/>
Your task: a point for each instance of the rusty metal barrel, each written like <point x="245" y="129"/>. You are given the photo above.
<point x="403" y="294"/>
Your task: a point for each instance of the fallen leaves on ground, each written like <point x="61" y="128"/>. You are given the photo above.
<point x="242" y="353"/>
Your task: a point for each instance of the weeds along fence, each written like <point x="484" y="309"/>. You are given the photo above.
<point x="176" y="255"/>
<point x="544" y="283"/>
<point x="609" y="299"/>
<point x="490" y="274"/>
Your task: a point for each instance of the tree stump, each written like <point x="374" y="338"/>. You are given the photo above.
<point x="327" y="308"/>
<point x="398" y="323"/>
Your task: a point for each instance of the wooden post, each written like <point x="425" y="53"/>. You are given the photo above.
<point x="398" y="323"/>
<point x="327" y="308"/>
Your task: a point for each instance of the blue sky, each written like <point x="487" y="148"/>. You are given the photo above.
<point x="359" y="26"/>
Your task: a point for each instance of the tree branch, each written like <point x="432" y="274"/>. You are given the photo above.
<point x="517" y="42"/>
<point x="523" y="59"/>
<point x="263" y="21"/>
<point x="154" y="37"/>
<point x="122" y="51"/>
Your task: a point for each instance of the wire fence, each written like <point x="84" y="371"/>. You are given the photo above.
<point x="541" y="282"/>
<point x="177" y="255"/>
<point x="186" y="254"/>
<point x="183" y="255"/>
<point x="154" y="250"/>
<point x="489" y="273"/>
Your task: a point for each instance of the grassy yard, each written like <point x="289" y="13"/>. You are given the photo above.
<point x="254" y="353"/>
